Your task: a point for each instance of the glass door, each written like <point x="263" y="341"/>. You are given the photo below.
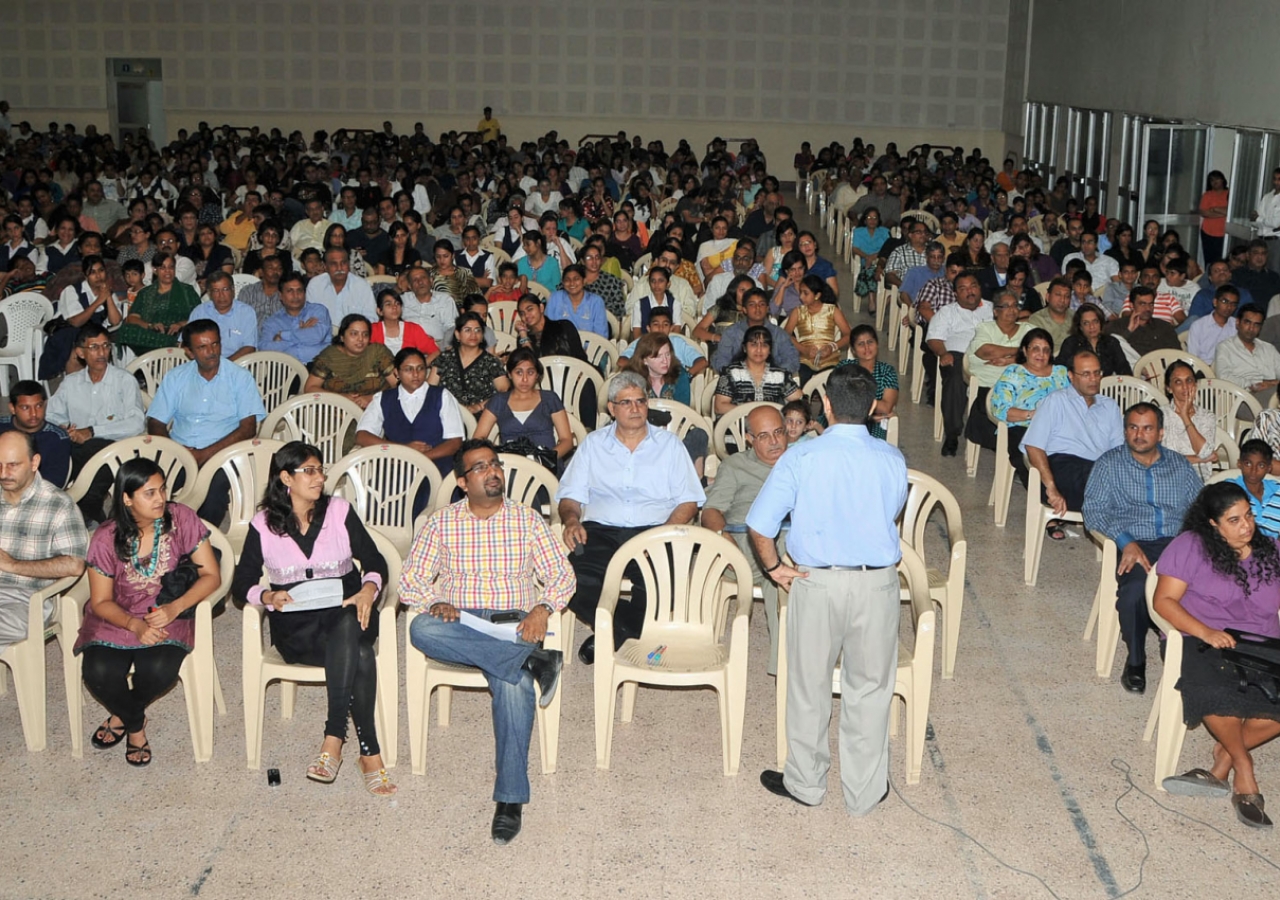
<point x="1173" y="173"/>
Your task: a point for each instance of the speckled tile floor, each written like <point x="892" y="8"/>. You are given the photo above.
<point x="1026" y="761"/>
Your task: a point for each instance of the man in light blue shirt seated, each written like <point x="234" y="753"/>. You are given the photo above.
<point x="1069" y="430"/>
<point x="624" y="479"/>
<point x="300" y="329"/>
<point x="690" y="358"/>
<point x="206" y="405"/>
<point x="237" y="323"/>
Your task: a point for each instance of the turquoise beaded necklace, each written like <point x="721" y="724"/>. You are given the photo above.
<point x="150" y="568"/>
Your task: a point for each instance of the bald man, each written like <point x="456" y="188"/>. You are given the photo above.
<point x="42" y="537"/>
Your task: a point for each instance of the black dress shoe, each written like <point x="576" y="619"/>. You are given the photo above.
<point x="1134" y="679"/>
<point x="774" y="784"/>
<point x="950" y="446"/>
<point x="587" y="652"/>
<point x="506" y="822"/>
<point x="545" y="666"/>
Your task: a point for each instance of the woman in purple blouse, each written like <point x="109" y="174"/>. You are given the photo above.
<point x="1222" y="572"/>
<point x="304" y="544"/>
<point x="124" y="628"/>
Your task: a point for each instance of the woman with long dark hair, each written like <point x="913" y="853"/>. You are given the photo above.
<point x="323" y="609"/>
<point x="1222" y="572"/>
<point x="127" y="626"/>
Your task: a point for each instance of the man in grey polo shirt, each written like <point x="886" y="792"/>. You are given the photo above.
<point x="730" y="496"/>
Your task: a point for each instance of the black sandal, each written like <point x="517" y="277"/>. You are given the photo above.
<point x="99" y="738"/>
<point x="1054" y="531"/>
<point x="143" y="754"/>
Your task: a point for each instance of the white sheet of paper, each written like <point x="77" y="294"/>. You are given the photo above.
<point x="322" y="593"/>
<point x="503" y="632"/>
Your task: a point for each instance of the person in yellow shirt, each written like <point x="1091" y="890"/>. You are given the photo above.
<point x="239" y="227"/>
<point x="489" y="127"/>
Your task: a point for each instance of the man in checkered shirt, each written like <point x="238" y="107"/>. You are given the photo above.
<point x="483" y="556"/>
<point x="42" y="536"/>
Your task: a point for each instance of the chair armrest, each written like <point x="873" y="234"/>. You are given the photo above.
<point x="251" y="632"/>
<point x="35" y="607"/>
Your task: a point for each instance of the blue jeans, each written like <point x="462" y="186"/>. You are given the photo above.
<point x="513" y="697"/>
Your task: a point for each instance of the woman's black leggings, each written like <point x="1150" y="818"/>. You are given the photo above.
<point x="106" y="675"/>
<point x="352" y="681"/>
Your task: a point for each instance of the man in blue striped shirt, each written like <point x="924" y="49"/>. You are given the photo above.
<point x="1137" y="495"/>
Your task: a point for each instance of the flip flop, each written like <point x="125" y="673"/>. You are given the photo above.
<point x="100" y="737"/>
<point x="1250" y="810"/>
<point x="143" y="754"/>
<point x="1196" y="783"/>
<point x="1054" y="532"/>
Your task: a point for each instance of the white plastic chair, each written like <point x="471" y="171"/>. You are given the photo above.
<point x="1225" y="398"/>
<point x="683" y="417"/>
<point x="26" y="660"/>
<point x="1038" y="517"/>
<point x="502" y="316"/>
<point x="424" y="675"/>
<point x="242" y="281"/>
<point x="1002" y="480"/>
<point x="262" y="665"/>
<point x="525" y="479"/>
<point x="972" y="451"/>
<point x="1127" y="390"/>
<point x="599" y="348"/>
<point x="539" y="291"/>
<point x="567" y="378"/>
<point x="732" y="428"/>
<point x="914" y="683"/>
<point x="278" y="375"/>
<point x="925" y="494"/>
<point x="1103" y="613"/>
<point x="615" y="327"/>
<point x="198" y="674"/>
<point x="247" y="465"/>
<point x="24" y="316"/>
<point x="154" y="365"/>
<point x="174" y="459"/>
<point x="688" y="590"/>
<point x="917" y="365"/>
<point x="1166" y="710"/>
<point x="381" y="483"/>
<point x="321" y="419"/>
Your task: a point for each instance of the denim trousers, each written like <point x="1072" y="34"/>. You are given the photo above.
<point x="502" y="663"/>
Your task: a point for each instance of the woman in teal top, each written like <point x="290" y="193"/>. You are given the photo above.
<point x="868" y="237"/>
<point x="1264" y="493"/>
<point x="1022" y="386"/>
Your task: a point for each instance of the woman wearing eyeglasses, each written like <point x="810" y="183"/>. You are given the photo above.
<point x="322" y="607"/>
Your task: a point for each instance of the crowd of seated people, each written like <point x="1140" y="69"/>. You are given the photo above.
<point x="373" y="258"/>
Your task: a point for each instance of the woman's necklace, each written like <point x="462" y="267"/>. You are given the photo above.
<point x="152" y="564"/>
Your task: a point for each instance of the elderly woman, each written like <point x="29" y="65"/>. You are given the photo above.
<point x="1222" y="572"/>
<point x="1019" y="390"/>
<point x="1086" y="334"/>
<point x="868" y="237"/>
<point x="322" y="609"/>
<point x="526" y="411"/>
<point x="353" y="366"/>
<point x="1191" y="431"/>
<point x="752" y="377"/>
<point x="135" y="621"/>
<point x="160" y="310"/>
<point x="466" y="370"/>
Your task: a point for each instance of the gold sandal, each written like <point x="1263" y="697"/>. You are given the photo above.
<point x="324" y="768"/>
<point x="379" y="783"/>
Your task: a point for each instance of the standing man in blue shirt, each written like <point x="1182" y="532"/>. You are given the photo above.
<point x="624" y="479"/>
<point x="1137" y="496"/>
<point x="206" y="405"/>
<point x="237" y="323"/>
<point x="300" y="329"/>
<point x="844" y="594"/>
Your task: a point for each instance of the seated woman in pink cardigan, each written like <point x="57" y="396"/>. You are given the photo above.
<point x="320" y="605"/>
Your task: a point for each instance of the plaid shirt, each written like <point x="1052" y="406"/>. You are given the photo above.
<point x="937" y="292"/>
<point x="488" y="563"/>
<point x="1127" y="501"/>
<point x="43" y="524"/>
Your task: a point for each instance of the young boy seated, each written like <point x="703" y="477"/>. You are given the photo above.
<point x="507" y="286"/>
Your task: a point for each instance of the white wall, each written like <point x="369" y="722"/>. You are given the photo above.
<point x="1208" y="60"/>
<point x="780" y="70"/>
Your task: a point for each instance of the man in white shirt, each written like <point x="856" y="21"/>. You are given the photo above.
<point x="1102" y="268"/>
<point x="96" y="406"/>
<point x="1267" y="215"/>
<point x="436" y="313"/>
<point x="744" y="258"/>
<point x="309" y="232"/>
<point x="950" y="331"/>
<point x="1207" y="332"/>
<point x="341" y="292"/>
<point x="1248" y="362"/>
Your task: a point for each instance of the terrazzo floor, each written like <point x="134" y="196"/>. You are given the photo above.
<point x="1036" y="783"/>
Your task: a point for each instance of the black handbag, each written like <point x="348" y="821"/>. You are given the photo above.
<point x="522" y="446"/>
<point x="177" y="581"/>
<point x="1257" y="662"/>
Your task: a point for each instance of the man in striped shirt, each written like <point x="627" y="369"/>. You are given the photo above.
<point x="480" y="558"/>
